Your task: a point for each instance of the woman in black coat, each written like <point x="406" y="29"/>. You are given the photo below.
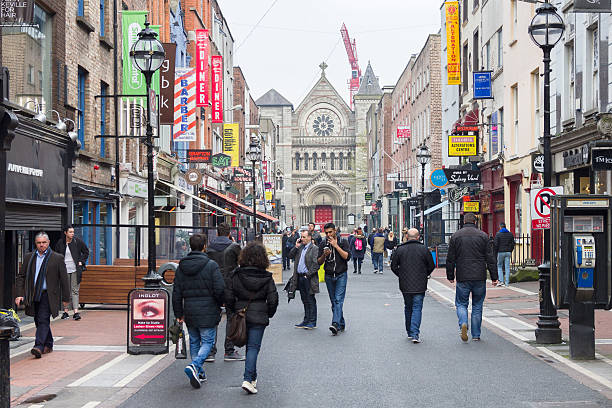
<point x="251" y="286"/>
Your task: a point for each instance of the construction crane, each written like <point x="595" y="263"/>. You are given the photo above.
<point x="351" y="51"/>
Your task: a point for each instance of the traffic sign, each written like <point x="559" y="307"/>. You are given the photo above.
<point x="540" y="206"/>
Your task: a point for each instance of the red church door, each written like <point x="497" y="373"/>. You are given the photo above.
<point x="323" y="215"/>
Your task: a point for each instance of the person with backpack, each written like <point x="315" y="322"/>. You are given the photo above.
<point x="358" y="249"/>
<point x="378" y="248"/>
<point x="225" y="252"/>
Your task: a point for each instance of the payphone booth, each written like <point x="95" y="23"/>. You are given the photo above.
<point x="581" y="262"/>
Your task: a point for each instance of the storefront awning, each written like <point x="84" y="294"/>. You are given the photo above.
<point x="206" y="203"/>
<point x="471" y="118"/>
<point x="435" y="208"/>
<point x="239" y="206"/>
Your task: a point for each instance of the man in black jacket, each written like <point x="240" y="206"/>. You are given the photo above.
<point x="412" y="263"/>
<point x="470" y="255"/>
<point x="504" y="245"/>
<point x="306" y="277"/>
<point x="75" y="254"/>
<point x="197" y="297"/>
<point x="225" y="253"/>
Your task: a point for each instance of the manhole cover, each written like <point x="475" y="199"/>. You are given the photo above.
<point x="40" y="398"/>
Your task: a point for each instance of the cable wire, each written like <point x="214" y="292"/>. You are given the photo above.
<point x="255" y="26"/>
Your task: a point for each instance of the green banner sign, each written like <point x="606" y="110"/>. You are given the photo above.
<point x="133" y="80"/>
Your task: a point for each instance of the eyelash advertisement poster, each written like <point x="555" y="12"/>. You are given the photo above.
<point x="148" y="323"/>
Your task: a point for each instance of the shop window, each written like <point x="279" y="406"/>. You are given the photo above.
<point x="585" y="185"/>
<point x="603" y="182"/>
<point x="567" y="181"/>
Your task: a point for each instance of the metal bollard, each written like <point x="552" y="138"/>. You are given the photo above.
<point x="5" y="367"/>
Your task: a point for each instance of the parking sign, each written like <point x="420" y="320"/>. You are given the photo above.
<point x="540" y="206"/>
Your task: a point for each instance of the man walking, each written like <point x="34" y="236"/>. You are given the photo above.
<point x="412" y="263"/>
<point x="469" y="256"/>
<point x="378" y="248"/>
<point x="306" y="278"/>
<point x="225" y="252"/>
<point x="504" y="245"/>
<point x="75" y="257"/>
<point x="197" y="297"/>
<point x="335" y="254"/>
<point x="285" y="250"/>
<point x="40" y="282"/>
<point x="316" y="236"/>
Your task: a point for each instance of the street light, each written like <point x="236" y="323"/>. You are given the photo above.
<point x="423" y="156"/>
<point x="546" y="29"/>
<point x="148" y="55"/>
<point x="254" y="155"/>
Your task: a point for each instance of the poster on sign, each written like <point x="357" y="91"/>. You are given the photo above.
<point x="184" y="106"/>
<point x="403" y="132"/>
<point x="148" y="321"/>
<point x="540" y="199"/>
<point x="274" y="248"/>
<point x="202" y="46"/>
<point x="217" y="89"/>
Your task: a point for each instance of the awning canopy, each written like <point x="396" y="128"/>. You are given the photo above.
<point x="435" y="208"/>
<point x="239" y="206"/>
<point x="471" y="118"/>
<point x="208" y="204"/>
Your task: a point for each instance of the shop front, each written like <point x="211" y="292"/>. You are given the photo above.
<point x="491" y="196"/>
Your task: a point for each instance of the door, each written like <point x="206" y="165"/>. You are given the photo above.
<point x="323" y="215"/>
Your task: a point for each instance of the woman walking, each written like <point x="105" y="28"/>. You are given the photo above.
<point x="251" y="286"/>
<point x="358" y="248"/>
<point x="390" y="244"/>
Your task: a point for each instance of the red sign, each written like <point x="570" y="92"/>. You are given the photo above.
<point x="148" y="316"/>
<point x="202" y="46"/>
<point x="403" y="132"/>
<point x="466" y="129"/>
<point x="265" y="171"/>
<point x="217" y="89"/>
<point x="199" y="156"/>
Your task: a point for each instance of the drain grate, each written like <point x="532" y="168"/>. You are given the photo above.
<point x="40" y="398"/>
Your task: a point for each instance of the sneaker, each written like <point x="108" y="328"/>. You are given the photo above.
<point x="416" y="340"/>
<point x="65" y="315"/>
<point x="192" y="374"/>
<point x="249" y="387"/>
<point x="210" y="358"/>
<point x="380" y="272"/>
<point x="233" y="356"/>
<point x="464" y="329"/>
<point x="309" y="326"/>
<point x="409" y="337"/>
<point x="333" y="329"/>
<point x="341" y="329"/>
<point x="76" y="316"/>
<point x="475" y="338"/>
<point x="202" y="377"/>
<point x="375" y="270"/>
<point x="300" y="325"/>
<point x="254" y="382"/>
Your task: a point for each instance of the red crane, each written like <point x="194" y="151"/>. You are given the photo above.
<point x="351" y="51"/>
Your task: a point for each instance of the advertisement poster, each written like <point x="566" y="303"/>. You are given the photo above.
<point x="148" y="316"/>
<point x="217" y="89"/>
<point x="462" y="145"/>
<point x="231" y="143"/>
<point x="274" y="248"/>
<point x="453" y="55"/>
<point x="471" y="206"/>
<point x="184" y="106"/>
<point x="202" y="46"/>
<point x="166" y="96"/>
<point x="133" y="80"/>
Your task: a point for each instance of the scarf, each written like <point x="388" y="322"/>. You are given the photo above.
<point x="33" y="290"/>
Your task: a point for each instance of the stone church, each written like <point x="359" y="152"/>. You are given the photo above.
<point x="317" y="174"/>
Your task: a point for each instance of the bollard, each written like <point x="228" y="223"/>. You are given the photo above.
<point x="5" y="367"/>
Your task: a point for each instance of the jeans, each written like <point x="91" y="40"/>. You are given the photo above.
<point x="228" y="345"/>
<point x="377" y="260"/>
<point x="309" y="300"/>
<point x="462" y="298"/>
<point x="413" y="307"/>
<point x="42" y="317"/>
<point x="201" y="340"/>
<point x="503" y="264"/>
<point x="336" y="288"/>
<point x="255" y="333"/>
<point x="357" y="263"/>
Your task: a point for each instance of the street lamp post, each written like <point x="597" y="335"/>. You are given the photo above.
<point x="423" y="156"/>
<point x="546" y="29"/>
<point x="254" y="155"/>
<point x="148" y="55"/>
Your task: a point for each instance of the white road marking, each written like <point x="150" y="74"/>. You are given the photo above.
<point x="576" y="367"/>
<point x="98" y="370"/>
<point x="603" y="341"/>
<point x="603" y="358"/>
<point x="26" y="347"/>
<point x="523" y="291"/>
<point x="36" y="406"/>
<point x="527" y="325"/>
<point x="128" y="379"/>
<point x="92" y="404"/>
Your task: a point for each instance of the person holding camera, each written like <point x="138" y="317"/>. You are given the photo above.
<point x="306" y="277"/>
<point x="335" y="254"/>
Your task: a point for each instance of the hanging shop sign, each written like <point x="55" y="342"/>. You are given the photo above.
<point x="438" y="178"/>
<point x="217" y="89"/>
<point x="601" y="158"/>
<point x="482" y="85"/>
<point x="459" y="146"/>
<point x="148" y="321"/>
<point x="368" y="198"/>
<point x="537" y="162"/>
<point x="401" y="185"/>
<point x="166" y="86"/>
<point x="403" y="132"/>
<point x="592" y="6"/>
<point x="133" y="80"/>
<point x="193" y="177"/>
<point x="199" y="155"/>
<point x="231" y="143"/>
<point x="453" y="54"/>
<point x="13" y="12"/>
<point x="202" y="47"/>
<point x="221" y="160"/>
<point x="494" y="134"/>
<point x="185" y="109"/>
<point x="471" y="206"/>
<point x="460" y="177"/>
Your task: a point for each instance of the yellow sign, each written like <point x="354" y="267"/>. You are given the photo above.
<point x="471" y="206"/>
<point x="231" y="142"/>
<point x="453" y="53"/>
<point x="462" y="146"/>
<point x="268" y="196"/>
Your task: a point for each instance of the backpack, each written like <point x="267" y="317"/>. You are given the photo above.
<point x="358" y="244"/>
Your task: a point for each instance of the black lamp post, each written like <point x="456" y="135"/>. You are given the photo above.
<point x="254" y="155"/>
<point x="148" y="55"/>
<point x="423" y="156"/>
<point x="546" y="29"/>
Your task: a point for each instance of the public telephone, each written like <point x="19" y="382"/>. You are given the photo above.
<point x="584" y="265"/>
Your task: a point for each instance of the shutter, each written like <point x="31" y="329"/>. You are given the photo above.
<point x="32" y="217"/>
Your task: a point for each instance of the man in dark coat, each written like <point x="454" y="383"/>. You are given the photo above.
<point x="469" y="256"/>
<point x="225" y="252"/>
<point x="41" y="282"/>
<point x="306" y="277"/>
<point x="285" y="250"/>
<point x="197" y="297"/>
<point x="504" y="245"/>
<point x="75" y="257"/>
<point x="412" y="263"/>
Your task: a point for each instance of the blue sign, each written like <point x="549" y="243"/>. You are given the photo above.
<point x="438" y="178"/>
<point x="482" y="85"/>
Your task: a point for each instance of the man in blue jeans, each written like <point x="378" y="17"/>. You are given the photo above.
<point x="504" y="245"/>
<point x="335" y="253"/>
<point x="469" y="256"/>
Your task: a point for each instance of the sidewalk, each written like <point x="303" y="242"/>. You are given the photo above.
<point x="89" y="366"/>
<point x="514" y="311"/>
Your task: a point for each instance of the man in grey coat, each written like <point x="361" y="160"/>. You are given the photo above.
<point x="305" y="277"/>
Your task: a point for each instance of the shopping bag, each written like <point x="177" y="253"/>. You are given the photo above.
<point x="180" y="352"/>
<point x="321" y="273"/>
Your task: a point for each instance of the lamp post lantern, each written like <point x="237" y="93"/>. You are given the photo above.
<point x="254" y="155"/>
<point x="423" y="156"/>
<point x="147" y="54"/>
<point x="546" y="29"/>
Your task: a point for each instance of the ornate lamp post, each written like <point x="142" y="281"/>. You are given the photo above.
<point x="148" y="55"/>
<point x="254" y="155"/>
<point x="423" y="156"/>
<point x="546" y="29"/>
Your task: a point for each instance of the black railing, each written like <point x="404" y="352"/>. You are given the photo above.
<point x="523" y="254"/>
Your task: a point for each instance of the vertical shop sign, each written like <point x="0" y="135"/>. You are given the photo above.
<point x="133" y="80"/>
<point x="217" y="89"/>
<point x="202" y="47"/>
<point x="184" y="106"/>
<point x="453" y="57"/>
<point x="494" y="134"/>
<point x="231" y="143"/>
<point x="166" y="95"/>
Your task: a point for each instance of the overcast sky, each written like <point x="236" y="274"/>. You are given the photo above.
<point x="294" y="37"/>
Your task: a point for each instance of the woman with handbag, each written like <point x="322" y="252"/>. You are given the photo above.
<point x="251" y="292"/>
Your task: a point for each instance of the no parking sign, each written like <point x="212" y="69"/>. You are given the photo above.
<point x="540" y="206"/>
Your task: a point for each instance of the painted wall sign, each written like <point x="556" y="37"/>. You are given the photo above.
<point x="184" y="106"/>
